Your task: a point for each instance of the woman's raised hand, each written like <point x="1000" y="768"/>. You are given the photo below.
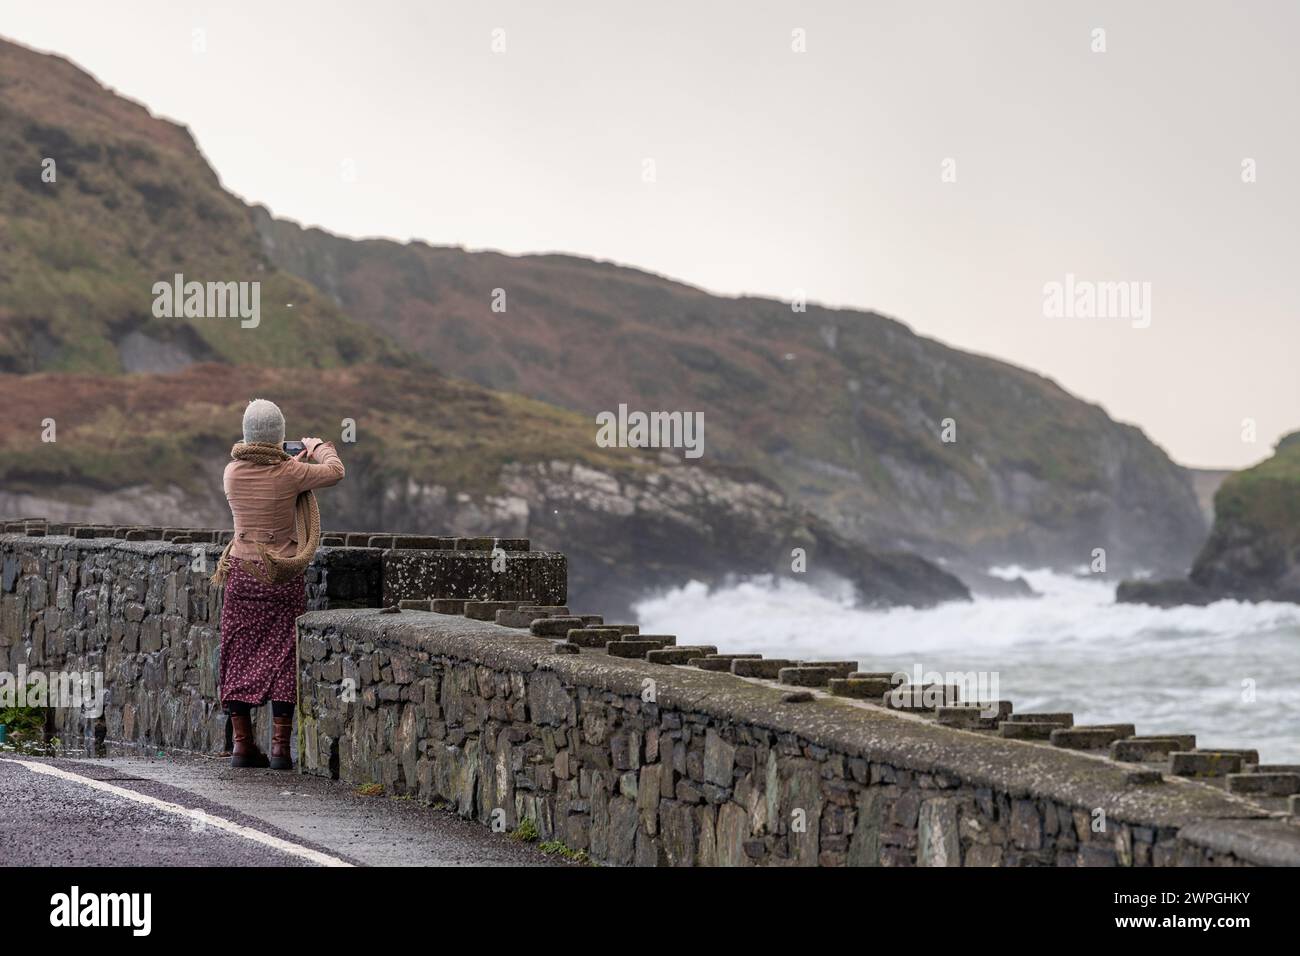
<point x="309" y="446"/>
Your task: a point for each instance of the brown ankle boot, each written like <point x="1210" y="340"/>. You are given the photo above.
<point x="281" y="732"/>
<point x="245" y="752"/>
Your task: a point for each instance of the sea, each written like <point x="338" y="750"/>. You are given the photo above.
<point x="1228" y="672"/>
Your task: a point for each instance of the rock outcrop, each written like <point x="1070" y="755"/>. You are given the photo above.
<point x="1253" y="552"/>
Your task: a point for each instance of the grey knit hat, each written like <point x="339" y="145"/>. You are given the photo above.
<point x="263" y="422"/>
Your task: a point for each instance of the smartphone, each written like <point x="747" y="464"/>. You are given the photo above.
<point x="293" y="447"/>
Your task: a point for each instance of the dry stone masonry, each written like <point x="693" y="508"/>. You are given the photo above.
<point x="425" y="670"/>
<point x="136" y="605"/>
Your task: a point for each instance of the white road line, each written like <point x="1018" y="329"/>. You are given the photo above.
<point x="199" y="816"/>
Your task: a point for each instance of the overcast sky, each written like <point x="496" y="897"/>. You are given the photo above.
<point x="777" y="170"/>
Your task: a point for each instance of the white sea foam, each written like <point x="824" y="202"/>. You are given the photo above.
<point x="1186" y="669"/>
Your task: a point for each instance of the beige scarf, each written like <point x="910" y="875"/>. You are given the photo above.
<point x="306" y="517"/>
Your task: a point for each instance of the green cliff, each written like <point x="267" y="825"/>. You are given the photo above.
<point x="838" y="413"/>
<point x="1253" y="551"/>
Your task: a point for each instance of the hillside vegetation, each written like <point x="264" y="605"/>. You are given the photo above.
<point x="1254" y="545"/>
<point x="430" y="455"/>
<point x="1253" y="552"/>
<point x="132" y="203"/>
<point x="835" y="412"/>
<point x="842" y="409"/>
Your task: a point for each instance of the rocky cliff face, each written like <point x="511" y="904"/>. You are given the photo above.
<point x="1254" y="547"/>
<point x="1253" y="552"/>
<point x="150" y="450"/>
<point x="130" y="202"/>
<point x="834" y="414"/>
<point x="843" y="410"/>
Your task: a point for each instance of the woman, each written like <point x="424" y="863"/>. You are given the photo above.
<point x="277" y="531"/>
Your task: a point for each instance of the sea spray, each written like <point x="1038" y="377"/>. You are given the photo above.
<point x="1182" y="669"/>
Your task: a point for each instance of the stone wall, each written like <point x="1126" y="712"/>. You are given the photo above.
<point x="652" y="764"/>
<point x="136" y="605"/>
<point x="625" y="746"/>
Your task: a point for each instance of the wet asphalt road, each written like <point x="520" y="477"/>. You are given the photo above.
<point x="216" y="816"/>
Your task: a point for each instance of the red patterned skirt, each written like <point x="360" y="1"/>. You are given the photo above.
<point x="259" y="658"/>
